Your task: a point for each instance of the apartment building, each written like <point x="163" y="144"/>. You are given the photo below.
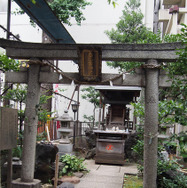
<point x="171" y="14"/>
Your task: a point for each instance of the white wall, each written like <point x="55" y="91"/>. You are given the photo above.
<point x="100" y="16"/>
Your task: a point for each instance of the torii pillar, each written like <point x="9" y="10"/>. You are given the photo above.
<point x="151" y="124"/>
<point x="30" y="131"/>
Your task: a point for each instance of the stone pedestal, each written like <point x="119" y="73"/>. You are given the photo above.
<point x="65" y="148"/>
<point x="18" y="184"/>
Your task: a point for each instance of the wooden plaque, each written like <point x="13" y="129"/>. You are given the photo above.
<point x="90" y="64"/>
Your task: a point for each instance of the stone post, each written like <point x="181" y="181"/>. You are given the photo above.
<point x="31" y="121"/>
<point x="30" y="130"/>
<point x="151" y="125"/>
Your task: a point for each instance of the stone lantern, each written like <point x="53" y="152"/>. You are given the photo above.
<point x="65" y="127"/>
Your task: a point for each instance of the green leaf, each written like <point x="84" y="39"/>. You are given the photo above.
<point x="33" y="1"/>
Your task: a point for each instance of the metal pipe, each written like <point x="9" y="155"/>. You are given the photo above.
<point x="8" y="19"/>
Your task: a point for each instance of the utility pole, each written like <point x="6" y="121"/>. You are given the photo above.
<point x="6" y="102"/>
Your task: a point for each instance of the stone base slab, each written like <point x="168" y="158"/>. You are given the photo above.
<point x="19" y="184"/>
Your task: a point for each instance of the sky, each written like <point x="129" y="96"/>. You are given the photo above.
<point x="100" y="16"/>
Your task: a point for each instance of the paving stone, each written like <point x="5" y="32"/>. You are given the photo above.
<point x="105" y="176"/>
<point x="78" y="174"/>
<point x="97" y="185"/>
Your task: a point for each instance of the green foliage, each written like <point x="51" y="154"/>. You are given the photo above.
<point x="177" y="180"/>
<point x="42" y="136"/>
<point x="132" y="181"/>
<point x="33" y="1"/>
<point x="17" y="152"/>
<point x="88" y="118"/>
<point x="71" y="164"/>
<point x="177" y="72"/>
<point x="93" y="96"/>
<point x="17" y="95"/>
<point x="21" y="114"/>
<point x="172" y="111"/>
<point x="139" y="110"/>
<point x="44" y="99"/>
<point x="169" y="38"/>
<point x="182" y="140"/>
<point x="114" y="3"/>
<point x="163" y="166"/>
<point x="179" y="68"/>
<point x="124" y="66"/>
<point x="7" y="64"/>
<point x="66" y="9"/>
<point x="130" y="27"/>
<point x="138" y="148"/>
<point x="43" y="114"/>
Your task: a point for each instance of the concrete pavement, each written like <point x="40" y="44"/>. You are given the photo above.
<point x="104" y="175"/>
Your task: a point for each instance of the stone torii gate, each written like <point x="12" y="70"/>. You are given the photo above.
<point x="151" y="78"/>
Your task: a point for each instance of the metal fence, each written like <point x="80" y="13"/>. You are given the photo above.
<point x="80" y="128"/>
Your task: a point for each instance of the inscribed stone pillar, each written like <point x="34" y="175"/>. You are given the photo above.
<point x="31" y="121"/>
<point x="151" y="125"/>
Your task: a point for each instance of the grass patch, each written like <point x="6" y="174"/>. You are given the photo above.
<point x="131" y="181"/>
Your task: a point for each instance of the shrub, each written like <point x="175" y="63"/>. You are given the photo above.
<point x="71" y="164"/>
<point x="168" y="174"/>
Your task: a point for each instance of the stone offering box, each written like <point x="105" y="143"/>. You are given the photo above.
<point x="110" y="146"/>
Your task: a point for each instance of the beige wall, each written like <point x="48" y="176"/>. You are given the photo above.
<point x="171" y="21"/>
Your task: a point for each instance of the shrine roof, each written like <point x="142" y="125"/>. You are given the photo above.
<point x="118" y="94"/>
<point x="41" y="13"/>
<point x="122" y="88"/>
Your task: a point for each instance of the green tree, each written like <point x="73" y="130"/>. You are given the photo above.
<point x="91" y="95"/>
<point x="130" y="29"/>
<point x="7" y="63"/>
<point x="43" y="114"/>
<point x="177" y="73"/>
